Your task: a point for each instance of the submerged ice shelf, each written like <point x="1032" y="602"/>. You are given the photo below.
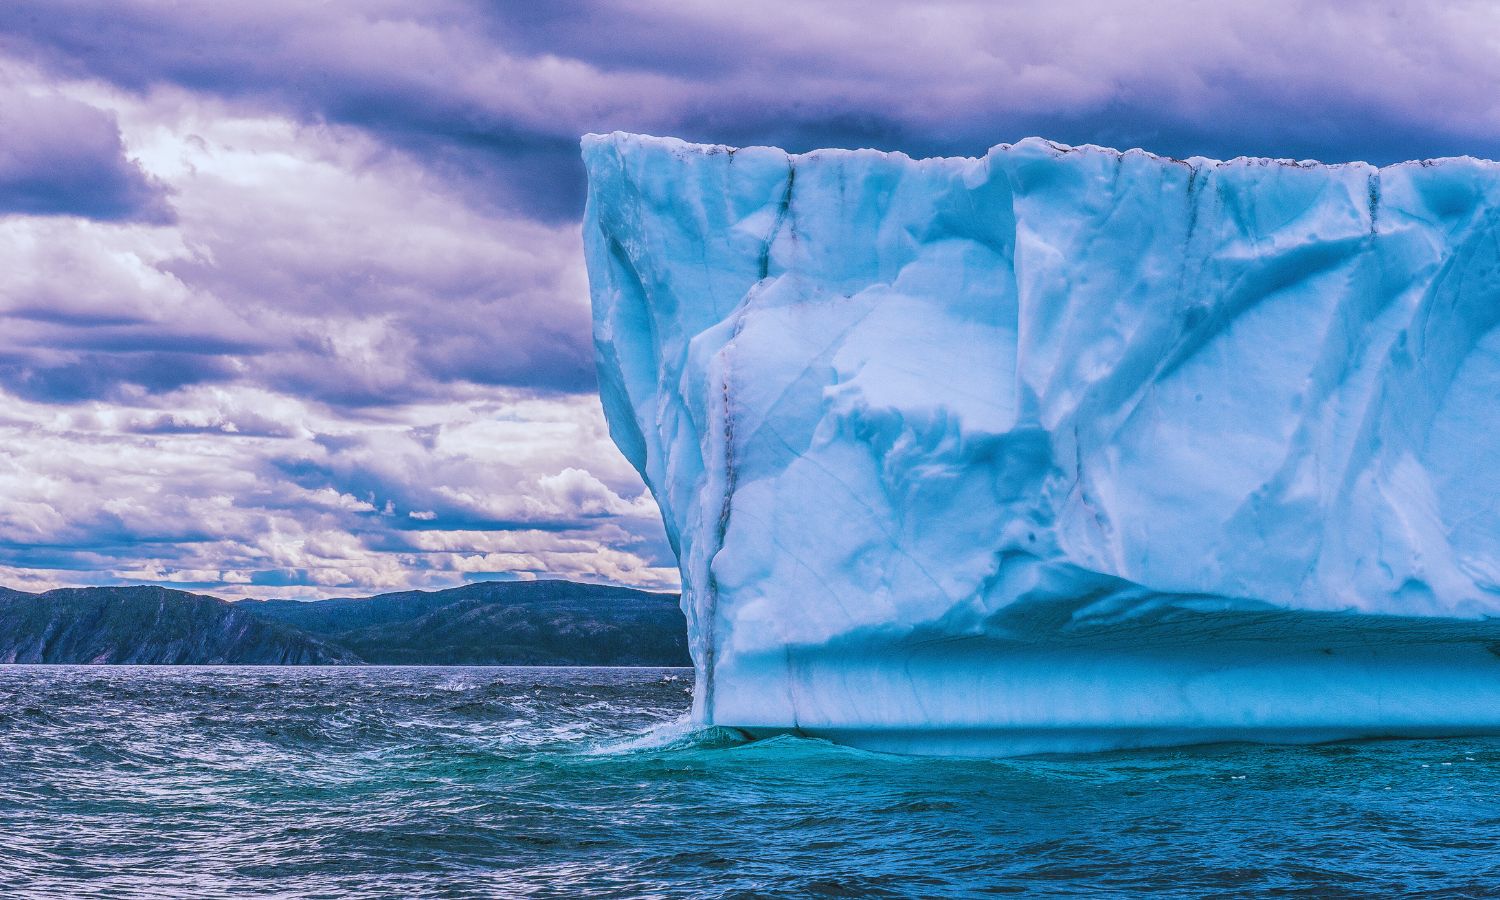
<point x="1062" y="448"/>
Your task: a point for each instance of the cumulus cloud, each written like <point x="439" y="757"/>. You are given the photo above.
<point x="302" y="260"/>
<point x="325" y="359"/>
<point x="291" y="297"/>
<point x="493" y="96"/>
<point x="320" y="506"/>
<point x="61" y="157"/>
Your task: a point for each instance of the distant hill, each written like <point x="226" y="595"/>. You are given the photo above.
<point x="489" y="623"/>
<point x="148" y="625"/>
<point x="498" y="623"/>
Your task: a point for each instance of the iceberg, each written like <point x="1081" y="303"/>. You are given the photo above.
<point x="1062" y="448"/>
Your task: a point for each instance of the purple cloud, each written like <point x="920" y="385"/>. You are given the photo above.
<point x="65" y="158"/>
<point x="291" y="296"/>
<point x="493" y="97"/>
<point x="82" y="376"/>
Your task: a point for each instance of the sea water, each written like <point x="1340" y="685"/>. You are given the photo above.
<point x="190" y="782"/>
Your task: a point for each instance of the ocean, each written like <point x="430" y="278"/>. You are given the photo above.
<point x="125" y="782"/>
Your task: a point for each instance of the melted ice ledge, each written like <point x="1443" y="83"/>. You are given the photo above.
<point x="1062" y="448"/>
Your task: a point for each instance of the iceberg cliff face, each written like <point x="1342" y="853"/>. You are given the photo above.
<point x="1062" y="448"/>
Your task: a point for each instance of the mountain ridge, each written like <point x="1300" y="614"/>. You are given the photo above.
<point x="144" y="625"/>
<point x="541" y="622"/>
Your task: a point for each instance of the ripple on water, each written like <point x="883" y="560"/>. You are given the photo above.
<point x="228" y="782"/>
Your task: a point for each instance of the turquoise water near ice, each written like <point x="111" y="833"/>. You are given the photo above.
<point x="125" y="782"/>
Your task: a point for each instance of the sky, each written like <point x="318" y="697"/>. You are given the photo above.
<point x="292" y="298"/>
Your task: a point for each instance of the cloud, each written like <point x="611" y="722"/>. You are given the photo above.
<point x="74" y="377"/>
<point x="65" y="158"/>
<point x="419" y="76"/>
<point x="128" y="491"/>
<point x="291" y="297"/>
<point x="304" y="260"/>
<point x="493" y="97"/>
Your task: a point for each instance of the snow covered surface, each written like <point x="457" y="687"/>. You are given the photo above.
<point x="1062" y="448"/>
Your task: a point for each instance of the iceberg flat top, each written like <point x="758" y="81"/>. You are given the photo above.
<point x="677" y="144"/>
